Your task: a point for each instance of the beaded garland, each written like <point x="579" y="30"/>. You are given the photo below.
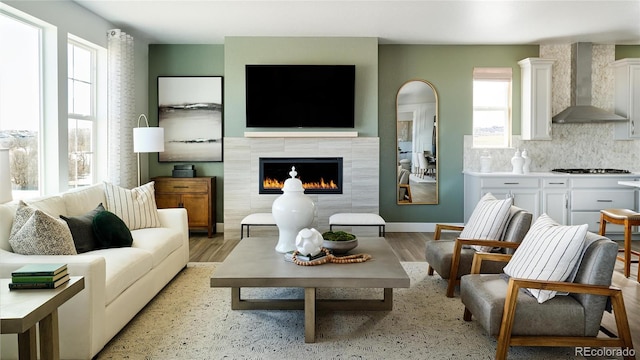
<point x="349" y="259"/>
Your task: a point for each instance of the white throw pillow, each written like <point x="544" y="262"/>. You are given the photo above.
<point x="35" y="233"/>
<point x="549" y="251"/>
<point x="136" y="207"/>
<point x="488" y="220"/>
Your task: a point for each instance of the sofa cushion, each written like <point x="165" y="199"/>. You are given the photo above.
<point x="160" y="242"/>
<point x="136" y="207"/>
<point x="80" y="201"/>
<point x="82" y="230"/>
<point x="549" y="251"/>
<point x="52" y="205"/>
<point x="488" y="221"/>
<point x="110" y="231"/>
<point x="35" y="233"/>
<point x="124" y="266"/>
<point x="7" y="212"/>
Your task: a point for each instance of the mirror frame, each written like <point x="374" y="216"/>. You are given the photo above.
<point x="436" y="141"/>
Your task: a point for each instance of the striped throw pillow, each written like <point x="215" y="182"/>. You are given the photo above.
<point x="136" y="207"/>
<point x="488" y="220"/>
<point x="549" y="251"/>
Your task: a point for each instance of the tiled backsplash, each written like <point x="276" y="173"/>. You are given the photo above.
<point x="573" y="146"/>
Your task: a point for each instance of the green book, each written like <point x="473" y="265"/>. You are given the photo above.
<point x="39" y="270"/>
<point x="38" y="279"/>
<point x="39" y="285"/>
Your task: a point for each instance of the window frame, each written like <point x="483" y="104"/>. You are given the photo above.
<point x="494" y="74"/>
<point x="93" y="116"/>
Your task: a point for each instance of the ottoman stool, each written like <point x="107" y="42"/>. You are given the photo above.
<point x="257" y="219"/>
<point x="357" y="219"/>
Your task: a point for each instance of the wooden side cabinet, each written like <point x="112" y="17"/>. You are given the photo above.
<point x="197" y="195"/>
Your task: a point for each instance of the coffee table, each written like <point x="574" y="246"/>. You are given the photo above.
<point x="21" y="310"/>
<point x="255" y="263"/>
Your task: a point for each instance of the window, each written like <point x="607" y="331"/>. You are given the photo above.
<point x="491" y="107"/>
<point x="21" y="102"/>
<point x="82" y="113"/>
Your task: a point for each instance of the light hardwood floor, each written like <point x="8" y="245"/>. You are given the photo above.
<point x="410" y="247"/>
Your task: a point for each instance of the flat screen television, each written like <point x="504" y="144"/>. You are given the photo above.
<point x="301" y="96"/>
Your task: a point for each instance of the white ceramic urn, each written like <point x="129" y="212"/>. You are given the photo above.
<point x="292" y="211"/>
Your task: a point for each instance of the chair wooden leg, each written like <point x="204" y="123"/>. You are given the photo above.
<point x="430" y="271"/>
<point x="453" y="272"/>
<point x="508" y="315"/>
<point x="467" y="315"/>
<point x="627" y="248"/>
<point x="622" y="322"/>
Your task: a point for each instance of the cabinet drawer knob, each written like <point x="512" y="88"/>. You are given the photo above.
<point x="556" y="183"/>
<point x="511" y="183"/>
<point x="180" y="187"/>
<point x="607" y="201"/>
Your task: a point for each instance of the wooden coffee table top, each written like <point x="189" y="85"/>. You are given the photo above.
<point x="255" y="263"/>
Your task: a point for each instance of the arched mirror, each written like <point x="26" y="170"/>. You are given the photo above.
<point x="417" y="134"/>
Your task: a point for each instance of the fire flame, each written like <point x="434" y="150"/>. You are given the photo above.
<point x="269" y="183"/>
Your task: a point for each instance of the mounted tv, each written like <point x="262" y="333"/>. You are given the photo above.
<point x="300" y="96"/>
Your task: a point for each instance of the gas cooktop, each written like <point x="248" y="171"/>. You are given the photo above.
<point x="591" y="171"/>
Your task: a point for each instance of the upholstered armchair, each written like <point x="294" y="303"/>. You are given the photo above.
<point x="452" y="258"/>
<point x="519" y="319"/>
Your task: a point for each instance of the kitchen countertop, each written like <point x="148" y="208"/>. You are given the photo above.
<point x="632" y="175"/>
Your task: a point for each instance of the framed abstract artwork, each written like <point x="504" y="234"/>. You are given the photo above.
<point x="190" y="111"/>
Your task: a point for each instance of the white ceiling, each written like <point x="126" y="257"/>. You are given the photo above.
<point x="393" y="22"/>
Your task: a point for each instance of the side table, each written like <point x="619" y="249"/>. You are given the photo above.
<point x="21" y="310"/>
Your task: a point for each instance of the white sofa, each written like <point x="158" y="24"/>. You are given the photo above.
<point x="119" y="282"/>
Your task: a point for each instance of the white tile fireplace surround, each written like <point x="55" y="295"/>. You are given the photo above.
<point x="361" y="165"/>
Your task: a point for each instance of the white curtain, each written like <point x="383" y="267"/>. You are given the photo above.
<point x="122" y="168"/>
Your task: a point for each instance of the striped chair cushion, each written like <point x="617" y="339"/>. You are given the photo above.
<point x="136" y="207"/>
<point x="549" y="251"/>
<point x="488" y="221"/>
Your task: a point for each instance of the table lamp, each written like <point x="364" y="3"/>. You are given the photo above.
<point x="147" y="139"/>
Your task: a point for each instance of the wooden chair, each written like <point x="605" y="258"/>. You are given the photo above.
<point x="453" y="258"/>
<point x="626" y="218"/>
<point x="517" y="319"/>
<point x="404" y="189"/>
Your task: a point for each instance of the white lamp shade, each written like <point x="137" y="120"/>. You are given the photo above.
<point x="5" y="177"/>
<point x="148" y="139"/>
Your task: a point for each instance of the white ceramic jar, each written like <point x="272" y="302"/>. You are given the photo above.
<point x="292" y="211"/>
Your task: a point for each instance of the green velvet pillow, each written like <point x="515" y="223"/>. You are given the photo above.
<point x="110" y="231"/>
<point x="82" y="230"/>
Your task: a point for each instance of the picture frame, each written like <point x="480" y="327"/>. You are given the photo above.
<point x="190" y="109"/>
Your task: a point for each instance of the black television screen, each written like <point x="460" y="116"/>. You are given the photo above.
<point x="314" y="96"/>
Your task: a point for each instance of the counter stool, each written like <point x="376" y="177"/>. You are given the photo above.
<point x="627" y="218"/>
<point x="257" y="219"/>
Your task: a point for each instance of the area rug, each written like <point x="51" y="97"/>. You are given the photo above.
<point x="190" y="320"/>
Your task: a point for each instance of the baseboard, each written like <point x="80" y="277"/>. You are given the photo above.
<point x="390" y="227"/>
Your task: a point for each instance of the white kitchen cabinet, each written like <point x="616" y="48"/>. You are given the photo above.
<point x="525" y="192"/>
<point x="570" y="199"/>
<point x="627" y="98"/>
<point x="590" y="195"/>
<point x="555" y="199"/>
<point x="536" y="98"/>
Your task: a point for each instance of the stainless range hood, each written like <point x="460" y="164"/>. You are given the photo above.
<point x="581" y="110"/>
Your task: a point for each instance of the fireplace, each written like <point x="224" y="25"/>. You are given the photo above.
<point x="318" y="175"/>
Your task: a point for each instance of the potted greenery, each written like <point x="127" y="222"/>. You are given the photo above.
<point x="339" y="242"/>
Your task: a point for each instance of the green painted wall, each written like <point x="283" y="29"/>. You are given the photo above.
<point x="627" y="51"/>
<point x="184" y="60"/>
<point x="450" y="70"/>
<point x="361" y="52"/>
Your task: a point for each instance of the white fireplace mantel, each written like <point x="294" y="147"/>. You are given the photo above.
<point x="301" y="134"/>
